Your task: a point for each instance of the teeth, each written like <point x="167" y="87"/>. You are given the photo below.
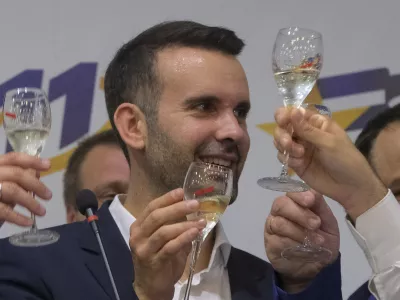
<point x="218" y="161"/>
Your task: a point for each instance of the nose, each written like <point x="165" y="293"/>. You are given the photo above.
<point x="229" y="127"/>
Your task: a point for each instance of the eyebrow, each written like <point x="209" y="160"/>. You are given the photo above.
<point x="116" y="185"/>
<point x="193" y="101"/>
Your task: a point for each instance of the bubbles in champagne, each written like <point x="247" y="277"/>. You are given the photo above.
<point x="295" y="85"/>
<point x="29" y="141"/>
<point x="211" y="209"/>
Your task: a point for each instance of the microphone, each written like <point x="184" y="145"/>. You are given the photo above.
<point x="87" y="205"/>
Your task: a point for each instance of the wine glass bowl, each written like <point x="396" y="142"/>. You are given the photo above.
<point x="296" y="64"/>
<point x="211" y="185"/>
<point x="27" y="124"/>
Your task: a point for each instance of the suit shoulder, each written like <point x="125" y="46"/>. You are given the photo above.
<point x="249" y="259"/>
<point x="361" y="293"/>
<point x="68" y="237"/>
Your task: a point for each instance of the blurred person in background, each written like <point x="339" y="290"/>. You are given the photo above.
<point x="97" y="164"/>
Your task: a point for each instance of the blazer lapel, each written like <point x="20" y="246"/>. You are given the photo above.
<point x="117" y="252"/>
<point x="249" y="277"/>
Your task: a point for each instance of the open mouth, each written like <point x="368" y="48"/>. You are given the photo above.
<point x="218" y="161"/>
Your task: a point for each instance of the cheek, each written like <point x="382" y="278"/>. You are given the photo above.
<point x="245" y="145"/>
<point x="190" y="134"/>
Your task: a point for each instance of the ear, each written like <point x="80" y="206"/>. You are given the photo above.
<point x="131" y="125"/>
<point x="71" y="214"/>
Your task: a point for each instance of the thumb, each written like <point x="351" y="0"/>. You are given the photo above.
<point x="321" y="208"/>
<point x="310" y="127"/>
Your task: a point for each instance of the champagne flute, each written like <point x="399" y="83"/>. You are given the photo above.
<point x="296" y="63"/>
<point x="308" y="252"/>
<point x="211" y="185"/>
<point x="27" y="123"/>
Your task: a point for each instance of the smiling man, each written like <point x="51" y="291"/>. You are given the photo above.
<point x="176" y="93"/>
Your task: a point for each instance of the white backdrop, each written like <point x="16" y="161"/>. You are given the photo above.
<point x="53" y="37"/>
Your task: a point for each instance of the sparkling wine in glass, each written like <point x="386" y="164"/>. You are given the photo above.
<point x="296" y="64"/>
<point x="212" y="186"/>
<point x="309" y="252"/>
<point x="27" y="124"/>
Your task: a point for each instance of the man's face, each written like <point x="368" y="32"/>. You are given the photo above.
<point x="201" y="115"/>
<point x="105" y="171"/>
<point x="386" y="157"/>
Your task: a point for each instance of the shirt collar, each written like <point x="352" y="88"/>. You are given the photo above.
<point x="124" y="219"/>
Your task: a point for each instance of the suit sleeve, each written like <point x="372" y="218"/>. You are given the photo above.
<point x="17" y="282"/>
<point x="327" y="285"/>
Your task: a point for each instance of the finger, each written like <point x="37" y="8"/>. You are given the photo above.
<point x="284" y="228"/>
<point x="286" y="208"/>
<point x="26" y="180"/>
<point x="12" y="194"/>
<point x="166" y="215"/>
<point x="24" y="161"/>
<point x="181" y="242"/>
<point x="275" y="244"/>
<point x="283" y="141"/>
<point x="312" y="127"/>
<point x="169" y="232"/>
<point x="321" y="208"/>
<point x="282" y="117"/>
<point x="8" y="214"/>
<point x="163" y="201"/>
<point x="304" y="199"/>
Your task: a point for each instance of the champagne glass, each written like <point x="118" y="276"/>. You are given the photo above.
<point x="27" y="123"/>
<point x="211" y="185"/>
<point x="296" y="63"/>
<point x="308" y="252"/>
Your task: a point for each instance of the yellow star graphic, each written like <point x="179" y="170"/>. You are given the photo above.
<point x="344" y="117"/>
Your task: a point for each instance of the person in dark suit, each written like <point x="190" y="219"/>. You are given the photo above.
<point x="174" y="94"/>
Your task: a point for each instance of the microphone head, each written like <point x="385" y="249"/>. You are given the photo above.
<point x="86" y="199"/>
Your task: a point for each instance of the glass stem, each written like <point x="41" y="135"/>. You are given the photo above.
<point x="307" y="241"/>
<point x="34" y="226"/>
<point x="33" y="217"/>
<point x="284" y="176"/>
<point x="196" y="247"/>
<point x="284" y="171"/>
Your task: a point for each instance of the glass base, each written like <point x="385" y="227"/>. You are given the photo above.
<point x="283" y="184"/>
<point x="34" y="238"/>
<point x="307" y="254"/>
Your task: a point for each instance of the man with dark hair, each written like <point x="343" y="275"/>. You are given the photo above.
<point x="97" y="164"/>
<point x="379" y="142"/>
<point x="175" y="94"/>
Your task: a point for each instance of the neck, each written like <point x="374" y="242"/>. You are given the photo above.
<point x="140" y="191"/>
<point x="204" y="257"/>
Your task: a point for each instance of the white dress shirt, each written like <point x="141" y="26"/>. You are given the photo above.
<point x="377" y="232"/>
<point x="211" y="283"/>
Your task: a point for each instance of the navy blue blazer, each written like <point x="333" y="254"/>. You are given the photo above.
<point x="73" y="268"/>
<point x="362" y="293"/>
